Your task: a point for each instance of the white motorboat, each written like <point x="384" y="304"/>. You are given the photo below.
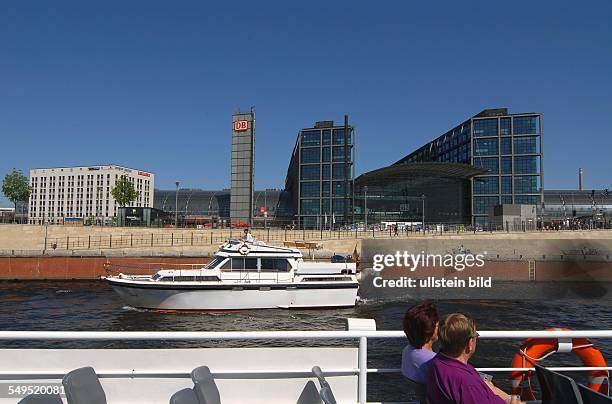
<point x="244" y="276"/>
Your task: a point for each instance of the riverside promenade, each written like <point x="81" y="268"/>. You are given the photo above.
<point x="64" y="252"/>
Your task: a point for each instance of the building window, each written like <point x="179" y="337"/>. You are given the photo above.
<point x="505" y="145"/>
<point x="310" y="155"/>
<point x="325" y="188"/>
<point x="506" y="200"/>
<point x="309" y="206"/>
<point x="325" y="206"/>
<point x="504" y="129"/>
<point x="489" y="163"/>
<point x="327" y="137"/>
<point x="506" y="185"/>
<point x="485" y="147"/>
<point x="338" y="137"/>
<point x="526" y="145"/>
<point x="526" y="184"/>
<point x="310" y="189"/>
<point x="338" y="206"/>
<point x="310" y="172"/>
<point x="527" y="199"/>
<point x="325" y="156"/>
<point x="525" y="125"/>
<point x="506" y="165"/>
<point x="338" y="153"/>
<point x="338" y="171"/>
<point x="526" y="164"/>
<point x="486" y="185"/>
<point x="485" y="127"/>
<point x="482" y="203"/>
<point x="326" y="171"/>
<point x="338" y="188"/>
<point x="311" y="138"/>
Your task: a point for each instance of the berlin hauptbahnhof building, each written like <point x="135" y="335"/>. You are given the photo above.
<point x="489" y="159"/>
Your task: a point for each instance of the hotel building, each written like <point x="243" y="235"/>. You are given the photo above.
<point x="73" y="194"/>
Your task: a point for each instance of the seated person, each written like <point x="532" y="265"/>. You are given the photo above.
<point x="451" y="380"/>
<point x="421" y="328"/>
<point x="248" y="237"/>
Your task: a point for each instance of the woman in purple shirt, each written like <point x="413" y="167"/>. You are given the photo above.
<point x="421" y="328"/>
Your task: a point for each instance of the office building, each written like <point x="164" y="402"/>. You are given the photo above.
<point x="320" y="176"/>
<point x="508" y="146"/>
<point x="243" y="160"/>
<point x="73" y="194"/>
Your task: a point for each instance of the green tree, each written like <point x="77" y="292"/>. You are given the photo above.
<point x="15" y="187"/>
<point x="124" y="191"/>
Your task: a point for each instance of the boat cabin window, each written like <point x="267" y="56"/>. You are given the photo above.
<point x="274" y="265"/>
<point x="255" y="264"/>
<point x="156" y="277"/>
<point x="215" y="261"/>
<point x="189" y="278"/>
<point x="239" y="263"/>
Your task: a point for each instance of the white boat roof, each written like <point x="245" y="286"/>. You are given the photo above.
<point x="239" y="248"/>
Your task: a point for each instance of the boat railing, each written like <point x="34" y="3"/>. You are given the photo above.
<point x="149" y="267"/>
<point x="248" y="276"/>
<point x="361" y="333"/>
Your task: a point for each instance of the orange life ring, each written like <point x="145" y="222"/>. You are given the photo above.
<point x="535" y="349"/>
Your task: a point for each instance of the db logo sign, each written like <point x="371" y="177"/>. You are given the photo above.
<point x="240" y="126"/>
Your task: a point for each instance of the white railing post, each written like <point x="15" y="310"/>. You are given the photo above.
<point x="363" y="325"/>
<point x="363" y="370"/>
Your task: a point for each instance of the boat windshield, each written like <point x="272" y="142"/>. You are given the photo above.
<point x="215" y="262"/>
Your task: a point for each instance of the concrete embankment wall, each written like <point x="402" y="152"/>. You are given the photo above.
<point x="38" y="268"/>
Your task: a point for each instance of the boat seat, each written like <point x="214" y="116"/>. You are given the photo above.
<point x="41" y="399"/>
<point x="310" y="394"/>
<point x="83" y="387"/>
<point x="205" y="387"/>
<point x="185" y="396"/>
<point x="590" y="396"/>
<point x="326" y="392"/>
<point x="557" y="388"/>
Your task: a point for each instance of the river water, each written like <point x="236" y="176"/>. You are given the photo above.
<point x="92" y="305"/>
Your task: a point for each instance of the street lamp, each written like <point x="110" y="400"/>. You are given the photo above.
<point x="423" y="208"/>
<point x="365" y="205"/>
<point x="176" y="205"/>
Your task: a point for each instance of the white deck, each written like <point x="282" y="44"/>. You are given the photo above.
<point x="265" y="383"/>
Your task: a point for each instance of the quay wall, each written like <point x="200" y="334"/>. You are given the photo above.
<point x="68" y="268"/>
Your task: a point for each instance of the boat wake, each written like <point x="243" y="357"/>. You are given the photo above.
<point x="130" y="308"/>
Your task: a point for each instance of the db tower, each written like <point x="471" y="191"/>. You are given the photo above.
<point x="243" y="160"/>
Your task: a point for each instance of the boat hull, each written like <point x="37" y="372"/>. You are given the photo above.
<point x="236" y="297"/>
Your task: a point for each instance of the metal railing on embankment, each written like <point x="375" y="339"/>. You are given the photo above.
<point x="360" y="336"/>
<point x="186" y="238"/>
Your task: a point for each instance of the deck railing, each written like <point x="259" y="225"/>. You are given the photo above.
<point x="361" y="337"/>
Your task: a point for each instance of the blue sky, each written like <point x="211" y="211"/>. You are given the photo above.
<point x="152" y="84"/>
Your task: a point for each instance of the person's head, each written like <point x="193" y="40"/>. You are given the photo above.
<point x="246" y="230"/>
<point x="421" y="324"/>
<point x="458" y="335"/>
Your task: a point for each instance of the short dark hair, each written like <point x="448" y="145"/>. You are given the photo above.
<point x="455" y="333"/>
<point x="420" y="323"/>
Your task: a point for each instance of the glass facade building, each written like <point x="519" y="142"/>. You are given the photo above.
<point x="508" y="146"/>
<point x="320" y="176"/>
<point x="399" y="192"/>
